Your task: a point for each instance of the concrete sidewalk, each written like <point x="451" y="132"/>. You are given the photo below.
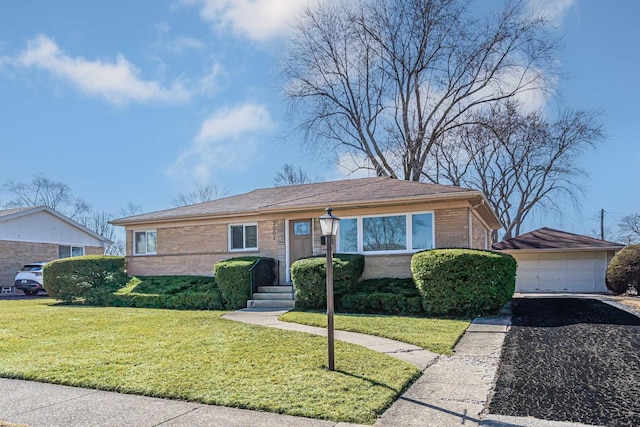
<point x="48" y="405"/>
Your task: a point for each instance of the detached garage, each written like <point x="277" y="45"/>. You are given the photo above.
<point x="556" y="261"/>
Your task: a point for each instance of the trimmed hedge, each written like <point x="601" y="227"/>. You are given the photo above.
<point x="167" y="292"/>
<point x="234" y="280"/>
<point x="187" y="301"/>
<point x="623" y="272"/>
<point x="85" y="278"/>
<point x="309" y="278"/>
<point x="172" y="285"/>
<point x="464" y="282"/>
<point x="383" y="296"/>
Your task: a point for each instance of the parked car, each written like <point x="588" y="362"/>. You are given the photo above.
<point x="29" y="278"/>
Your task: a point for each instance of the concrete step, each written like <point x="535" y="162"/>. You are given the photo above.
<point x="273" y="303"/>
<point x="279" y="289"/>
<point x="273" y="295"/>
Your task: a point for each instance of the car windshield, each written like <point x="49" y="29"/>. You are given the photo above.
<point x="31" y="268"/>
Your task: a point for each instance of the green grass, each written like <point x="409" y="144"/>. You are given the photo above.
<point x="196" y="356"/>
<point x="436" y="335"/>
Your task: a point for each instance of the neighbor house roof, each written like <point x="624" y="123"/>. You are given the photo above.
<point x="549" y="239"/>
<point x="354" y="192"/>
<point x="8" y="214"/>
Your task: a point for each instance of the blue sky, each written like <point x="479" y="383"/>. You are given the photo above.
<point x="139" y="101"/>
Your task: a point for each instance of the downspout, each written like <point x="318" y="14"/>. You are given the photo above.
<point x="470" y="228"/>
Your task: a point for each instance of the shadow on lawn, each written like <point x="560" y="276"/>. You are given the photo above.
<point x="373" y="382"/>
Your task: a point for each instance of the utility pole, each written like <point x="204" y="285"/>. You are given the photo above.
<point x="601" y="224"/>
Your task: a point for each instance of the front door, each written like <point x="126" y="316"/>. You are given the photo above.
<point x="300" y="239"/>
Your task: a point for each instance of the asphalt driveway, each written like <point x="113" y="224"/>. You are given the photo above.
<point x="569" y="359"/>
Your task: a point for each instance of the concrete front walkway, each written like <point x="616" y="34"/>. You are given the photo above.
<point x="400" y="350"/>
<point x="452" y="391"/>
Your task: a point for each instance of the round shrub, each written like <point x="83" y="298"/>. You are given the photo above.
<point x="309" y="276"/>
<point x="623" y="273"/>
<point x="233" y="277"/>
<point x="464" y="282"/>
<point x="84" y="279"/>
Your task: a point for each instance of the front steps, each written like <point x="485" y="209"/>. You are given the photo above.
<point x="273" y="297"/>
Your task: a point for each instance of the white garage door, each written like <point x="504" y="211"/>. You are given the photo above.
<point x="561" y="271"/>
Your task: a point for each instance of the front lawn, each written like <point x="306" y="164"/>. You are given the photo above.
<point x="436" y="335"/>
<point x="196" y="356"/>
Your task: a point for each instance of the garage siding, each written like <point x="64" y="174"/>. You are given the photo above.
<point x="568" y="271"/>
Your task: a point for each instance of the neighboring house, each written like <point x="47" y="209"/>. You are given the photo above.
<point x="41" y="234"/>
<point x="385" y="219"/>
<point x="556" y="261"/>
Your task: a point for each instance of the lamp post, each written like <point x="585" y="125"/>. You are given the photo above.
<point x="329" y="227"/>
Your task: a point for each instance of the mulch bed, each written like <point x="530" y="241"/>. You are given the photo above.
<point x="569" y="359"/>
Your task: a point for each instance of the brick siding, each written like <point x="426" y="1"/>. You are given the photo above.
<point x="194" y="249"/>
<point x="396" y="266"/>
<point x="452" y="228"/>
<point x="478" y="233"/>
<point x="187" y="250"/>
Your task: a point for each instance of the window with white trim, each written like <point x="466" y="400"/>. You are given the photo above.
<point x="386" y="233"/>
<point x="69" y="251"/>
<point x="145" y="242"/>
<point x="243" y="237"/>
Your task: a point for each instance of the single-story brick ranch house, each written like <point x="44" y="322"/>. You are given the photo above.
<point x="385" y="219"/>
<point x="35" y="234"/>
<point x="556" y="261"/>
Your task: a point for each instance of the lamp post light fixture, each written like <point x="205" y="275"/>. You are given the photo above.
<point x="329" y="227"/>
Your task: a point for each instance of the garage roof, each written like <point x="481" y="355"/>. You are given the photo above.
<point x="549" y="239"/>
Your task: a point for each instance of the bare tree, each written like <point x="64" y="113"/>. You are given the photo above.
<point x="43" y="191"/>
<point x="98" y="222"/>
<point x="386" y="80"/>
<point x="629" y="228"/>
<point x="117" y="236"/>
<point x="288" y="175"/>
<point x="520" y="161"/>
<point x="202" y="193"/>
<point x="130" y="210"/>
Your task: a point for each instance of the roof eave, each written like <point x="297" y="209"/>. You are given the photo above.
<point x="594" y="248"/>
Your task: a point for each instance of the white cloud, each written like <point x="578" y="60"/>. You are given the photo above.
<point x="117" y="82"/>
<point x="182" y="43"/>
<point x="227" y="140"/>
<point x="256" y="19"/>
<point x="551" y="10"/>
<point x="209" y="82"/>
<point x="350" y="166"/>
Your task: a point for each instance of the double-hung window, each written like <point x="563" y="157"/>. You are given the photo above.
<point x="145" y="242"/>
<point x="243" y="237"/>
<point x="386" y="233"/>
<point x="69" y="251"/>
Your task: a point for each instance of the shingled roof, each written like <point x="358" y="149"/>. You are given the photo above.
<point x="549" y="239"/>
<point x="7" y="212"/>
<point x="352" y="192"/>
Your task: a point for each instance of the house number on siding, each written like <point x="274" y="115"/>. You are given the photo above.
<point x="274" y="230"/>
